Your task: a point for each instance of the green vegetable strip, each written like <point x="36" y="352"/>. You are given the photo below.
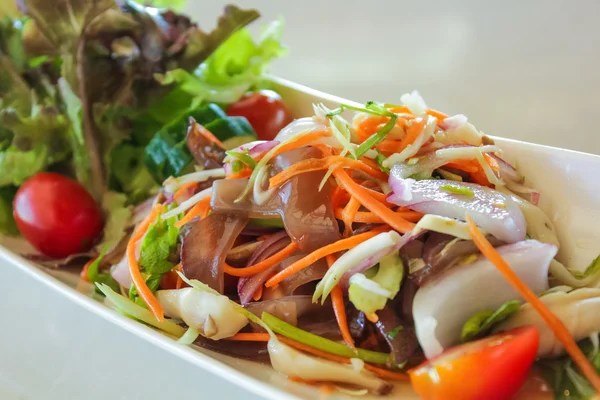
<point x="457" y="190"/>
<point x="243" y="157"/>
<point x="370" y="109"/>
<point x="130" y="309"/>
<point x="318" y="342"/>
<point x="377" y="137"/>
<point x="380" y="159"/>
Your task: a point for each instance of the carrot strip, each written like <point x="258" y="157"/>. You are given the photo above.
<point x="469" y="166"/>
<point x="349" y="215"/>
<point x="250" y="337"/>
<point x="316" y="164"/>
<point x="412" y="134"/>
<point x="400" y="110"/>
<point x="208" y="135"/>
<point x="439" y="115"/>
<point x="338" y="196"/>
<point x="245" y="173"/>
<point x="389" y="146"/>
<point x="134" y="269"/>
<point x="84" y="271"/>
<point x="258" y="293"/>
<point x="198" y="210"/>
<point x="316" y="255"/>
<point x="371" y="218"/>
<point x="179" y="283"/>
<point x="554" y="323"/>
<point x="491" y="162"/>
<point x="301" y="141"/>
<point x="326" y="150"/>
<point x="264" y="264"/>
<point x="264" y="337"/>
<point x="183" y="189"/>
<point x="339" y="308"/>
<point x="378" y="208"/>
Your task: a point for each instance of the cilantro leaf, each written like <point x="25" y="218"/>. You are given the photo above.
<point x="482" y="322"/>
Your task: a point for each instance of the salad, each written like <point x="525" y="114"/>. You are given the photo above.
<point x="351" y="249"/>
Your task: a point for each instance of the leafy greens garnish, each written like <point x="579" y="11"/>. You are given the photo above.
<point x="482" y="322"/>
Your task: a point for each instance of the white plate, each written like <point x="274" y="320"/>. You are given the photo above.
<point x="58" y="343"/>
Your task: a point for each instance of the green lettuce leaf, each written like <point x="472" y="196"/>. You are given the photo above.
<point x="17" y="166"/>
<point x="235" y="67"/>
<point x="118" y="216"/>
<point x="96" y="276"/>
<point x="564" y="377"/>
<point x="128" y="168"/>
<point x="7" y="222"/>
<point x="482" y="322"/>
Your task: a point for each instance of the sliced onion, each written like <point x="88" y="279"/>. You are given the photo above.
<point x="443" y="305"/>
<point x="247" y="286"/>
<point x="443" y="251"/>
<point x="187" y="204"/>
<point x="300" y="125"/>
<point x="288" y="309"/>
<point x="206" y="245"/>
<point x="453" y="122"/>
<point x="493" y="211"/>
<point x="226" y="191"/>
<point x="254" y="149"/>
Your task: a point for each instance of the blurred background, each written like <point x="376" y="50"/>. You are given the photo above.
<point x="527" y="70"/>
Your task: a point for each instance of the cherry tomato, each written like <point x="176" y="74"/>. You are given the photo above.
<point x="493" y="368"/>
<point x="264" y="110"/>
<point x="57" y="215"/>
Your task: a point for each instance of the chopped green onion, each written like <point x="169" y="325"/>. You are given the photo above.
<point x="318" y="342"/>
<point x="483" y="321"/>
<point x="377" y="137"/>
<point x="370" y="108"/>
<point x="243" y="157"/>
<point x="132" y="310"/>
<point x="394" y="332"/>
<point x="458" y="190"/>
<point x="236" y="166"/>
<point x="380" y="159"/>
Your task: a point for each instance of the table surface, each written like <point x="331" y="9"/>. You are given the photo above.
<point x="525" y="70"/>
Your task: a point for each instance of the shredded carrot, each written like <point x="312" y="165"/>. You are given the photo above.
<point x="264" y="337"/>
<point x="491" y="162"/>
<point x="390" y="217"/>
<point x="264" y="264"/>
<point x="349" y="215"/>
<point x="199" y="209"/>
<point x="388" y="146"/>
<point x="258" y="293"/>
<point x="316" y="164"/>
<point x="244" y="173"/>
<point x="208" y="135"/>
<point x="412" y="133"/>
<point x="371" y="218"/>
<point x="400" y="110"/>
<point x="134" y="269"/>
<point x="326" y="150"/>
<point x="316" y="255"/>
<point x="371" y="163"/>
<point x="339" y="308"/>
<point x="84" y="271"/>
<point x="250" y="337"/>
<point x="369" y="126"/>
<point x="469" y="166"/>
<point x="387" y="374"/>
<point x="439" y="115"/>
<point x="301" y="141"/>
<point x="183" y="189"/>
<point x="372" y="317"/>
<point x="179" y="283"/>
<point x="554" y="323"/>
<point x="338" y="197"/>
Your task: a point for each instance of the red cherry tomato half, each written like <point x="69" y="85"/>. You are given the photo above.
<point x="57" y="215"/>
<point x="264" y="110"/>
<point x="493" y="368"/>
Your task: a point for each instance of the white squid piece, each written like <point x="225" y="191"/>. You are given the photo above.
<point x="213" y="315"/>
<point x="441" y="307"/>
<point x="578" y="310"/>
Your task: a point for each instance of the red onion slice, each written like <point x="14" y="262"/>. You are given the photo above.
<point x="493" y="211"/>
